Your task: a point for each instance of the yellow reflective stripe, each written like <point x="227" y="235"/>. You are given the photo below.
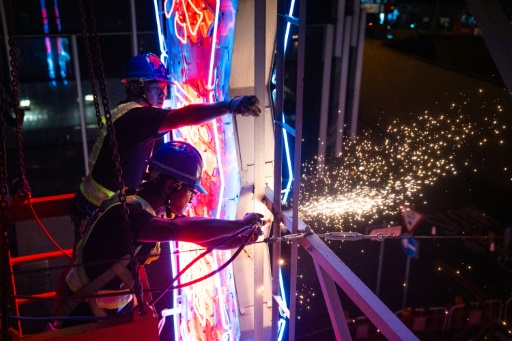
<point x="154" y="254"/>
<point x="77" y="277"/>
<point x="113" y="302"/>
<point x="93" y="191"/>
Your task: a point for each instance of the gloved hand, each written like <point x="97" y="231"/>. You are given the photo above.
<point x="245" y="106"/>
<point x="249" y="219"/>
<point x="253" y="218"/>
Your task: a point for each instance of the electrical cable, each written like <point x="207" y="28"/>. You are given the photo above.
<point x="266" y="240"/>
<point x="208" y="250"/>
<point x="350" y="236"/>
<point x="29" y="199"/>
<point x="66" y="318"/>
<point x="251" y="229"/>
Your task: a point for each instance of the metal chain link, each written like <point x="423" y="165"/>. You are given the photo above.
<point x="87" y="47"/>
<point x="3" y="150"/>
<point x="115" y="155"/>
<point x="6" y="290"/>
<point x="25" y="187"/>
<point x="4" y="242"/>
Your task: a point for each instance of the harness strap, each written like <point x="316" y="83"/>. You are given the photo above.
<point x="124" y="274"/>
<point x="92" y="190"/>
<point x="96" y="309"/>
<point x="118" y="269"/>
<point x="84" y="287"/>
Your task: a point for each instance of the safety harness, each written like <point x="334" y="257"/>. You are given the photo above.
<point x="80" y="284"/>
<point x="92" y="190"/>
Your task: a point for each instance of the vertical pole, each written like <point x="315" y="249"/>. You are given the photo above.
<point x="356" y="83"/>
<point x="133" y="12"/>
<point x="324" y="105"/>
<point x="379" y="271"/>
<point x="406" y="281"/>
<point x="6" y="36"/>
<point x="80" y="100"/>
<point x="351" y="72"/>
<point x="297" y="165"/>
<point x="278" y="160"/>
<point x="343" y="85"/>
<point x="340" y="22"/>
<point x="339" y="48"/>
<point x="259" y="156"/>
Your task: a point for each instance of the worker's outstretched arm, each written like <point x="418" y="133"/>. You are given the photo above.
<point x="198" y="230"/>
<point x="195" y="114"/>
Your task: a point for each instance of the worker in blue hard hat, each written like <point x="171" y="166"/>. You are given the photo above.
<point x="175" y="178"/>
<point x="138" y="122"/>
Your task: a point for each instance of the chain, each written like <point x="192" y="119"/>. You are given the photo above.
<point x="90" y="64"/>
<point x="114" y="147"/>
<point x="99" y="65"/>
<point x="4" y="243"/>
<point x="25" y="188"/>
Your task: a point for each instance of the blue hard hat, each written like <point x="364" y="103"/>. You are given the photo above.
<point x="180" y="160"/>
<point x="145" y="67"/>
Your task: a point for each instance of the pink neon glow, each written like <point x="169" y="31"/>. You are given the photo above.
<point x="168" y="12"/>
<point x="190" y="16"/>
<point x="200" y="73"/>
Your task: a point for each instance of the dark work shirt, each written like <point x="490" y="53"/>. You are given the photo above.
<point x="136" y="133"/>
<point x="107" y="242"/>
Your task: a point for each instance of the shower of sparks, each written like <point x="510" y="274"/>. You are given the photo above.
<point x="377" y="172"/>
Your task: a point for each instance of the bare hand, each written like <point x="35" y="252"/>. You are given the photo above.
<point x="245" y="106"/>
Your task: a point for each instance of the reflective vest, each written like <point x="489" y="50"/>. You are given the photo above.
<point x="77" y="278"/>
<point x="92" y="190"/>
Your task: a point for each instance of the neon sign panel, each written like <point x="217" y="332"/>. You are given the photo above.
<point x="198" y="64"/>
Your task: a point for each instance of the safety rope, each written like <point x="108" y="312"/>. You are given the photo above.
<point x="162" y="291"/>
<point x="353" y="236"/>
<point x="208" y="250"/>
<point x="45" y="230"/>
<point x="344" y="236"/>
<point x="113" y="144"/>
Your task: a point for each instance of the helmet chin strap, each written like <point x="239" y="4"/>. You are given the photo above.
<point x="167" y="199"/>
<point x="145" y="99"/>
<point x="142" y="94"/>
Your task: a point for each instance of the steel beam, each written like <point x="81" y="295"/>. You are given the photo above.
<point x="371" y="306"/>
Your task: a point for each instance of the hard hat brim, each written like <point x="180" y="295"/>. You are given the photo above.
<point x="200" y="189"/>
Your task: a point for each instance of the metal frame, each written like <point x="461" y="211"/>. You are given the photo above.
<point x="260" y="87"/>
<point x="330" y="269"/>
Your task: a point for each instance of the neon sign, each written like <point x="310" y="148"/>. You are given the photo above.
<point x="198" y="62"/>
